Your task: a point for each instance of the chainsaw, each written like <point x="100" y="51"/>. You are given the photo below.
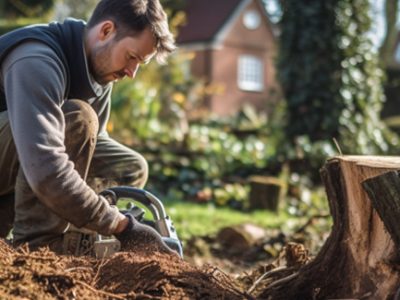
<point x="105" y="246"/>
<point x="161" y="221"/>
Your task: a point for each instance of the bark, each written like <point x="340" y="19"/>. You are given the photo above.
<point x="384" y="192"/>
<point x="389" y="41"/>
<point x="358" y="260"/>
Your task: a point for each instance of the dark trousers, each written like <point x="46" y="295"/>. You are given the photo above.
<point x="100" y="160"/>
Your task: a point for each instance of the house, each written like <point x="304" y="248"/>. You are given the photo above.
<point x="234" y="52"/>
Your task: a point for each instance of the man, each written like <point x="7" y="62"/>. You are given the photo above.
<point x="55" y="86"/>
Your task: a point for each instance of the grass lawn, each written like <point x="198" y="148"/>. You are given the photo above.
<point x="191" y="219"/>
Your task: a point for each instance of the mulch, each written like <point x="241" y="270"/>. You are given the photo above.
<point x="44" y="275"/>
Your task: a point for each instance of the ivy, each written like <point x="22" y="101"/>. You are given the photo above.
<point x="330" y="76"/>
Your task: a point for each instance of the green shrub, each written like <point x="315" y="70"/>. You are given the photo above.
<point x="7" y="25"/>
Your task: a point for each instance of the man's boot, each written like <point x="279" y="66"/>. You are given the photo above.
<point x="6" y="214"/>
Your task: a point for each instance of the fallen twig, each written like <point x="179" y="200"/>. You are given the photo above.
<point x="110" y="295"/>
<point x="282" y="280"/>
<point x="265" y="275"/>
<point x="102" y="263"/>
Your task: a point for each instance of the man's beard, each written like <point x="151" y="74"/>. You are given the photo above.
<point x="98" y="62"/>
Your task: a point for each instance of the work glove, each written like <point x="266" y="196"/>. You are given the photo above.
<point x="137" y="236"/>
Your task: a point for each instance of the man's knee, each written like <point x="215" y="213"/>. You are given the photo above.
<point x="130" y="169"/>
<point x="80" y="118"/>
<point x="133" y="171"/>
<point x="139" y="172"/>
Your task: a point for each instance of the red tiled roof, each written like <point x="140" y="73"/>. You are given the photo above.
<point x="204" y="19"/>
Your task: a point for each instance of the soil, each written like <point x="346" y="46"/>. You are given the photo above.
<point x="210" y="270"/>
<point x="44" y="275"/>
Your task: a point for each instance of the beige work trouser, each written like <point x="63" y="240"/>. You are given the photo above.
<point x="100" y="160"/>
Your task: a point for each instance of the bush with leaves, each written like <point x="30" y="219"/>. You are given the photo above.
<point x="201" y="156"/>
<point x="24" y="8"/>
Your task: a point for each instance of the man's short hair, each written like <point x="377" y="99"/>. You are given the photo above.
<point x="133" y="16"/>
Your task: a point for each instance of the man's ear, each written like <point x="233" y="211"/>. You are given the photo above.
<point x="107" y="30"/>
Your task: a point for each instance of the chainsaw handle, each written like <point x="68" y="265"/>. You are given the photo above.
<point x="149" y="200"/>
<point x="130" y="192"/>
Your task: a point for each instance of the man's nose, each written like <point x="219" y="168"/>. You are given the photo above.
<point x="131" y="70"/>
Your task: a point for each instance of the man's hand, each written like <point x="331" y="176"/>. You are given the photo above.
<point x="134" y="235"/>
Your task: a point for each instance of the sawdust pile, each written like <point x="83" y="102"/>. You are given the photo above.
<point x="44" y="275"/>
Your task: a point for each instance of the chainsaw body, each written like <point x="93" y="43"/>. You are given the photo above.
<point x="161" y="221"/>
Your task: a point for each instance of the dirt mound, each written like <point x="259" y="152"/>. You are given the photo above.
<point x="44" y="275"/>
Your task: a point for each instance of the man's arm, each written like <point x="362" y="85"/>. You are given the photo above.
<point x="34" y="83"/>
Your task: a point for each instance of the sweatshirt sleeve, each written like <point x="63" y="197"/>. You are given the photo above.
<point x="34" y="82"/>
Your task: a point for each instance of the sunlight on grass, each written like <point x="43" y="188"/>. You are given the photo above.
<point x="192" y="219"/>
<point x="206" y="219"/>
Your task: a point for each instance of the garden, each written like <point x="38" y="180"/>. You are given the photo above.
<point x="248" y="193"/>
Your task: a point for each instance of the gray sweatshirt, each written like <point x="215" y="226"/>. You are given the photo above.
<point x="34" y="81"/>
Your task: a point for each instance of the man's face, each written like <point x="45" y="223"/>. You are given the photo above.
<point x="111" y="60"/>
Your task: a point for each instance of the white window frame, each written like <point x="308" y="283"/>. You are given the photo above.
<point x="250" y="73"/>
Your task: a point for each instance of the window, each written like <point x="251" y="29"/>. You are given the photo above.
<point x="250" y="73"/>
<point x="251" y="19"/>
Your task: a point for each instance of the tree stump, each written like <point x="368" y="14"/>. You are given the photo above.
<point x="265" y="192"/>
<point x="360" y="258"/>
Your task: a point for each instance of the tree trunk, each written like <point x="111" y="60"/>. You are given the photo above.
<point x="360" y="257"/>
<point x="389" y="42"/>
